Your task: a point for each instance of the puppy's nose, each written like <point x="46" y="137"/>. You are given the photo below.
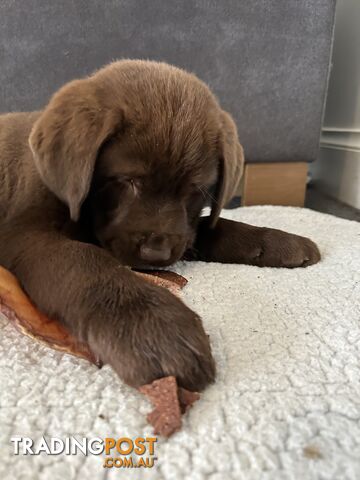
<point x="155" y="249"/>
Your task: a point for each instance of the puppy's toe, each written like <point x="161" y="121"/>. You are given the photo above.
<point x="311" y="253"/>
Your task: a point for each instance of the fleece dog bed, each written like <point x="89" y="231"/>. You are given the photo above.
<point x="286" y="403"/>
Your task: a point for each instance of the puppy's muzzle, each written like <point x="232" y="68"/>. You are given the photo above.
<point x="154" y="249"/>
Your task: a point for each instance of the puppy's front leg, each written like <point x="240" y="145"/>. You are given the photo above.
<point x="142" y="330"/>
<point x="235" y="242"/>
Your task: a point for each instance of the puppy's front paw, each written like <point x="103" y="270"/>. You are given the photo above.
<point x="281" y="249"/>
<point x="156" y="335"/>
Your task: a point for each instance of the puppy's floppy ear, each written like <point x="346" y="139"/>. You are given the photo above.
<point x="230" y="167"/>
<point x="66" y="138"/>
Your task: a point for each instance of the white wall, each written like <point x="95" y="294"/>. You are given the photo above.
<point x="337" y="171"/>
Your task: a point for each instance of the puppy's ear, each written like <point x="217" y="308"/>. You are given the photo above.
<point x="230" y="167"/>
<point x="66" y="138"/>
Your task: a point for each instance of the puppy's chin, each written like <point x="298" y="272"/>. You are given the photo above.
<point x="144" y="267"/>
<point x="139" y="265"/>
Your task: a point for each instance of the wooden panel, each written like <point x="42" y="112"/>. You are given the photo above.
<point x="275" y="184"/>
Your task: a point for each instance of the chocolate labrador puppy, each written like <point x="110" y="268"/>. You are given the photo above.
<point x="114" y="173"/>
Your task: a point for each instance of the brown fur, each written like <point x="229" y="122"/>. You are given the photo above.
<point x="114" y="173"/>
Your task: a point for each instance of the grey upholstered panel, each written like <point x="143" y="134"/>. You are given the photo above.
<point x="267" y="60"/>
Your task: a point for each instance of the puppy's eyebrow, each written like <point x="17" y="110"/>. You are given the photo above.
<point x="122" y="167"/>
<point x="126" y="171"/>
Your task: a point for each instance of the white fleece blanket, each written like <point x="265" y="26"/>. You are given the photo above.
<point x="286" y="403"/>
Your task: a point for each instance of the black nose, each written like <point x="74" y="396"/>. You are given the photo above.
<point x="155" y="249"/>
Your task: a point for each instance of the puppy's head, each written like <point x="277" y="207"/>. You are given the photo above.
<point x="147" y="146"/>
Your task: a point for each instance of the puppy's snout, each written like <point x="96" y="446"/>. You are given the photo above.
<point x="155" y="249"/>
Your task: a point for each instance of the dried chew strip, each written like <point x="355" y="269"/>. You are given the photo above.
<point x="170" y="402"/>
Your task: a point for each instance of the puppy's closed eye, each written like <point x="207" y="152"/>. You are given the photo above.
<point x="115" y="189"/>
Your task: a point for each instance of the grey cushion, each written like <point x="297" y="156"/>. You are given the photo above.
<point x="267" y="60"/>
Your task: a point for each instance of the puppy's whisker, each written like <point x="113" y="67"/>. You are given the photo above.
<point x="202" y="192"/>
<point x="206" y="194"/>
